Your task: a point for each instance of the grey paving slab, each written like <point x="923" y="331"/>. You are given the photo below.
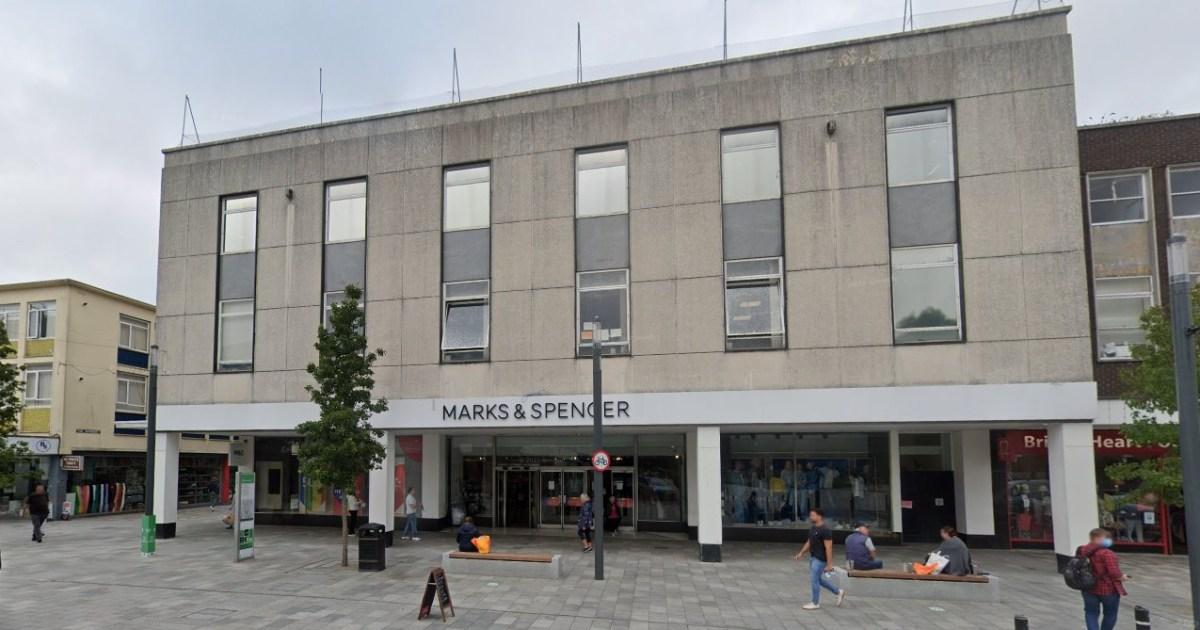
<point x="89" y="575"/>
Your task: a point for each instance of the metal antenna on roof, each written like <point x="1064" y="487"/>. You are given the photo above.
<point x="725" y="31"/>
<point x="321" y="89"/>
<point x="455" y="86"/>
<point x="907" y="21"/>
<point x="578" y="53"/>
<point x="188" y="113"/>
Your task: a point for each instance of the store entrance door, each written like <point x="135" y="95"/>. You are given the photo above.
<point x="514" y="501"/>
<point x="560" y="496"/>
<point x="927" y="498"/>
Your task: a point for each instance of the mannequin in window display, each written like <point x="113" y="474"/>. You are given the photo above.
<point x="1021" y="507"/>
<point x="759" y="487"/>
<point x="789" y="488"/>
<point x="737" y="491"/>
<point x="829" y="474"/>
<point x="778" y="490"/>
<point x="1044" y="512"/>
<point x="812" y="479"/>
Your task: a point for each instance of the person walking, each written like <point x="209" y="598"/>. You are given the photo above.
<point x="38" y="507"/>
<point x="214" y="494"/>
<point x="1105" y="596"/>
<point x="587" y="520"/>
<point x="860" y="550"/>
<point x="412" y="509"/>
<point x="820" y="545"/>
<point x="352" y="506"/>
<point x="612" y="520"/>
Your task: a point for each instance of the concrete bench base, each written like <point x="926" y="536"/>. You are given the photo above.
<point x="920" y="589"/>
<point x="503" y="568"/>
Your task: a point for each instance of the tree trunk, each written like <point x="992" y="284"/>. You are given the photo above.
<point x="345" y="541"/>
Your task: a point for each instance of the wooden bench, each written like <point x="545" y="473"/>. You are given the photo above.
<point x="536" y="565"/>
<point x="901" y="585"/>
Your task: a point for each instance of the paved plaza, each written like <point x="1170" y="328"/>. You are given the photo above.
<point x="89" y="574"/>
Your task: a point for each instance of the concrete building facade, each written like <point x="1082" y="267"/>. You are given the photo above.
<point x="84" y="353"/>
<point x="821" y="277"/>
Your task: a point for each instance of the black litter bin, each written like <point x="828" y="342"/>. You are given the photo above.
<point x="371" y="547"/>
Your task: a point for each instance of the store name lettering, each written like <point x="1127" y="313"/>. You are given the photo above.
<point x="1099" y="441"/>
<point x="534" y="411"/>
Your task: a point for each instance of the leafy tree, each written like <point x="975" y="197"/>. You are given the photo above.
<point x="1149" y="390"/>
<point x="931" y="317"/>
<point x="341" y="444"/>
<point x="10" y="411"/>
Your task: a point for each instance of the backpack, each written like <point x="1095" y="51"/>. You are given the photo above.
<point x="1079" y="574"/>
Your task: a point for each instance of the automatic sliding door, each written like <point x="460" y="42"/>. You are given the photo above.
<point x="575" y="483"/>
<point x="550" y="513"/>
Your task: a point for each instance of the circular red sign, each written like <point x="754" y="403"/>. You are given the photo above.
<point x="601" y="461"/>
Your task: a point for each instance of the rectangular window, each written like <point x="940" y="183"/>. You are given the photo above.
<point x="131" y="393"/>
<point x="333" y="297"/>
<point x="601" y="186"/>
<point x="925" y="294"/>
<point x="346" y="211"/>
<point x="10" y="316"/>
<point x="750" y="165"/>
<point x="1184" y="184"/>
<point x="235" y="335"/>
<point x="41" y="320"/>
<point x="39" y="385"/>
<point x="754" y="310"/>
<point x="1117" y="198"/>
<point x="1120" y="303"/>
<point x="465" y="320"/>
<point x="239" y="222"/>
<point x="467" y="198"/>
<point x="603" y="295"/>
<point x="920" y="147"/>
<point x="134" y="334"/>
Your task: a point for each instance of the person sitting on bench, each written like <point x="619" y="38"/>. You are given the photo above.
<point x="860" y="550"/>
<point x="466" y="533"/>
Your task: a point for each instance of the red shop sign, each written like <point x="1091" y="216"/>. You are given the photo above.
<point x="1105" y="442"/>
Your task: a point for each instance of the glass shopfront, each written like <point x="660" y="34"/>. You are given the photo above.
<point x="774" y="479"/>
<point x="281" y="488"/>
<point x="1138" y="518"/>
<point x="537" y="481"/>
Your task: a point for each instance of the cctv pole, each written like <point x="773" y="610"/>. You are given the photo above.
<point x="148" y="524"/>
<point x="597" y="444"/>
<point x="1186" y="399"/>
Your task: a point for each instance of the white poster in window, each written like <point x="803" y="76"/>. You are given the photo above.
<point x="549" y="485"/>
<point x="1148" y="518"/>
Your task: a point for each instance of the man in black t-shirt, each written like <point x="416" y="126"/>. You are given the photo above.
<point x="38" y="506"/>
<point x="820" y="545"/>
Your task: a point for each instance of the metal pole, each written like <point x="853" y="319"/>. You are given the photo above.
<point x="1186" y="397"/>
<point x="725" y="30"/>
<point x="597" y="444"/>
<point x="149" y="526"/>
<point x="1020" y="623"/>
<point x="1141" y="618"/>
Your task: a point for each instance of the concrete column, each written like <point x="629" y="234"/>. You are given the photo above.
<point x="1072" y="486"/>
<point x="894" y="480"/>
<point x="693" y="502"/>
<point x="166" y="484"/>
<point x="708" y="493"/>
<point x="434" y="481"/>
<point x="973" y="482"/>
<point x="381" y="495"/>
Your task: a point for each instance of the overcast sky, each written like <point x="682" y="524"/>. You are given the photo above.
<point x="90" y="92"/>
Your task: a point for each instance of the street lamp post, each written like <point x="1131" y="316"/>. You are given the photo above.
<point x="1186" y="398"/>
<point x="149" y="527"/>
<point x="597" y="444"/>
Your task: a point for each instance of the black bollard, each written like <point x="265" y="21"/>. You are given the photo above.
<point x="1020" y="623"/>
<point x="1141" y="618"/>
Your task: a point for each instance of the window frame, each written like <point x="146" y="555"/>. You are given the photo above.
<point x="1148" y="295"/>
<point x="1171" y="193"/>
<point x="221" y="236"/>
<point x="39" y="372"/>
<point x="956" y="264"/>
<point x="627" y="344"/>
<point x="41" y="321"/>
<point x="446" y="170"/>
<point x="485" y="299"/>
<point x="1146" y="195"/>
<point x="14" y="332"/>
<point x="601" y="149"/>
<point x="950" y="132"/>
<point x="128" y="378"/>
<point x="222" y="366"/>
<point x="732" y="131"/>
<point x="128" y="322"/>
<point x="748" y="280"/>
<point x="329" y="207"/>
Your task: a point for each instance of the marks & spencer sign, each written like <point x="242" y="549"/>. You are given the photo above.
<point x="527" y="411"/>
